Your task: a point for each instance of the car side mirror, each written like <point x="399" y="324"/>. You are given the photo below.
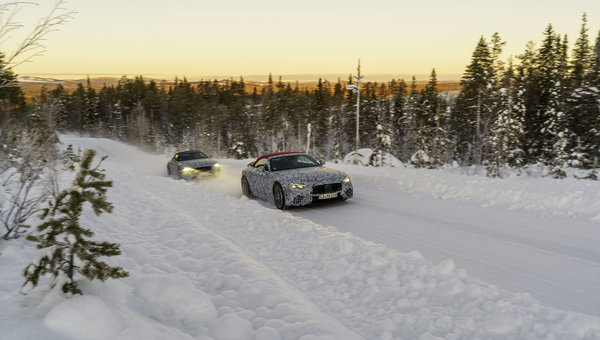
<point x="322" y="162"/>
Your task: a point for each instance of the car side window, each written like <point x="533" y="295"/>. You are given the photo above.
<point x="261" y="162"/>
<point x="305" y="161"/>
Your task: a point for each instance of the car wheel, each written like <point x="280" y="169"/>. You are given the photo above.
<point x="278" y="196"/>
<point x="246" y="187"/>
<point x="169" y="171"/>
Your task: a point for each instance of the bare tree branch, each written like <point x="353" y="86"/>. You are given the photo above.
<point x="32" y="45"/>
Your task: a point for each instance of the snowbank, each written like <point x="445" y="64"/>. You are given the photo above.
<point x="567" y="197"/>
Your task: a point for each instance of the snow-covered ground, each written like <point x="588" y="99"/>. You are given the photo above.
<point x="416" y="254"/>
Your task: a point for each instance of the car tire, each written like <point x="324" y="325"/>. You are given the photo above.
<point x="278" y="196"/>
<point x="169" y="172"/>
<point x="246" y="187"/>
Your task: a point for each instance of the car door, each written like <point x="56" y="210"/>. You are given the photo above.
<point x="258" y="178"/>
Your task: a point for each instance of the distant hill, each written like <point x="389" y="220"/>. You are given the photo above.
<point x="32" y="85"/>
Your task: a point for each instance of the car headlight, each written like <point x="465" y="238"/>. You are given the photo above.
<point x="298" y="186"/>
<point x="347" y="179"/>
<point x="217" y="166"/>
<point x="187" y="169"/>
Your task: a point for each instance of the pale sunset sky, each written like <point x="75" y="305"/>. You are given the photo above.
<point x="232" y="38"/>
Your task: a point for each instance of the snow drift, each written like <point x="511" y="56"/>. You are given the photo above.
<point x="205" y="264"/>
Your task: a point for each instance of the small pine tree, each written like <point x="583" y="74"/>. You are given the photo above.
<point x="420" y="159"/>
<point x="69" y="249"/>
<point x="381" y="154"/>
<point x="579" y="158"/>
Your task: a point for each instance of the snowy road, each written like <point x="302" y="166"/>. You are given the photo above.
<point x="207" y="263"/>
<point x="556" y="259"/>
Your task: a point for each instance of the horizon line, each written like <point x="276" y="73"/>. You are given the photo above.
<point x="253" y="77"/>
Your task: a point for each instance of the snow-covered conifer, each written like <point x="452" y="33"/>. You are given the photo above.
<point x="471" y="113"/>
<point x="556" y="135"/>
<point x="579" y="158"/>
<point x="582" y="55"/>
<point x="68" y="249"/>
<point x="431" y="136"/>
<point x="503" y="144"/>
<point x="383" y="148"/>
<point x="420" y="159"/>
<point x="409" y="122"/>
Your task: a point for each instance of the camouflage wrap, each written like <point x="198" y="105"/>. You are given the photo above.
<point x="301" y="186"/>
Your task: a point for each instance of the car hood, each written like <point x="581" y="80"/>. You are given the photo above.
<point x="198" y="163"/>
<point x="311" y="175"/>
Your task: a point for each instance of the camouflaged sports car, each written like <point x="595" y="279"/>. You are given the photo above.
<point x="192" y="165"/>
<point x="293" y="179"/>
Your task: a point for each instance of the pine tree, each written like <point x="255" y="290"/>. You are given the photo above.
<point x="398" y="89"/>
<point x="337" y="122"/>
<point x="409" y="122"/>
<point x="503" y="143"/>
<point x="529" y="96"/>
<point x="582" y="106"/>
<point x="594" y="74"/>
<point x="431" y="136"/>
<point x="516" y="155"/>
<point x="319" y="117"/>
<point x="471" y="113"/>
<point x="582" y="55"/>
<point x="69" y="249"/>
<point x="420" y="159"/>
<point x="369" y="114"/>
<point x="556" y="134"/>
<point x="579" y="158"/>
<point x="381" y="153"/>
<point x="497" y="45"/>
<point x="593" y="79"/>
<point x="349" y="116"/>
<point x="439" y="142"/>
<point x="12" y="99"/>
<point x="549" y="88"/>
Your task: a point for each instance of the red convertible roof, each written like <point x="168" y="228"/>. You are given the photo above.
<point x="269" y="155"/>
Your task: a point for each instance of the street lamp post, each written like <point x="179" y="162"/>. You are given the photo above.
<point x="356" y="89"/>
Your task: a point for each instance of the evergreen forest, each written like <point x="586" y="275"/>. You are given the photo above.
<point x="539" y="107"/>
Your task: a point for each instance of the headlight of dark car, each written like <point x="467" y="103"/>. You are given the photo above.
<point x="187" y="169"/>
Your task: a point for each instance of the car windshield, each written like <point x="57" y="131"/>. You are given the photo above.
<point x="292" y="162"/>
<point x="186" y="156"/>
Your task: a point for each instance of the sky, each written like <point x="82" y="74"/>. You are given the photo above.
<point x="233" y="38"/>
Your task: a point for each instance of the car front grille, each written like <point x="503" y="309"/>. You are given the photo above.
<point x="326" y="188"/>
<point x="204" y="168"/>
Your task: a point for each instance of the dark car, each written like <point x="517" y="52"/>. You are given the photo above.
<point x="293" y="179"/>
<point x="192" y="164"/>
